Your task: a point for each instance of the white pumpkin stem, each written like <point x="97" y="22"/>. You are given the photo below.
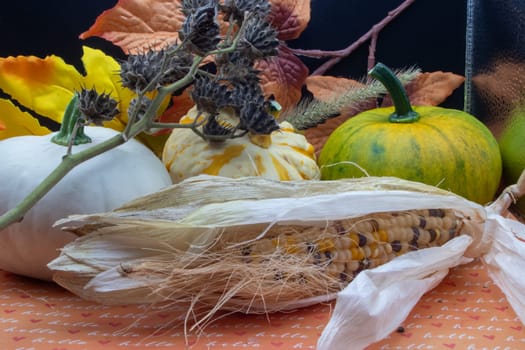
<point x="71" y="129"/>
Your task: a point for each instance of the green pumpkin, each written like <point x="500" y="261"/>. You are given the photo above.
<point x="512" y="146"/>
<point x="443" y="147"/>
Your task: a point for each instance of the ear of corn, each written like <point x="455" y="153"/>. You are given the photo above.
<point x="264" y="251"/>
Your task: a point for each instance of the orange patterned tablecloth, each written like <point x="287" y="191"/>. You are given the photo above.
<point x="466" y="311"/>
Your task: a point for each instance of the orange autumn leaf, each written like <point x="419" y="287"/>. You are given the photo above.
<point x="431" y="88"/>
<point x="180" y="105"/>
<point x="136" y="25"/>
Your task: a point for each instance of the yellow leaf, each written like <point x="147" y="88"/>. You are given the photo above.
<point x="18" y="123"/>
<point x="102" y="72"/>
<point x="43" y="85"/>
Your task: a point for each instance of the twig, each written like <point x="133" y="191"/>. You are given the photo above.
<point x="373" y="32"/>
<point x="70" y="161"/>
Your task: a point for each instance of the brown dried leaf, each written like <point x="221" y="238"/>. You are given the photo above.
<point x="290" y="17"/>
<point x="426" y="89"/>
<point x="326" y="88"/>
<point x="283" y="77"/>
<point x="135" y="25"/>
<point x="433" y="88"/>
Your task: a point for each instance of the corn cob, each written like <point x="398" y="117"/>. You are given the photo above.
<point x="292" y="262"/>
<point x="254" y="245"/>
<point x="343" y="248"/>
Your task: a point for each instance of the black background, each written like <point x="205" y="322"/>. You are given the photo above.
<point x="429" y="34"/>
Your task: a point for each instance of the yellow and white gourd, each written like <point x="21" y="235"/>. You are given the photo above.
<point x="282" y="155"/>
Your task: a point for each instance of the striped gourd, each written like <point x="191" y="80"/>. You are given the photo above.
<point x="438" y="146"/>
<point x="283" y="155"/>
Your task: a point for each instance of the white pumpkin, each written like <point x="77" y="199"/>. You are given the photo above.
<point x="283" y="155"/>
<point x="97" y="185"/>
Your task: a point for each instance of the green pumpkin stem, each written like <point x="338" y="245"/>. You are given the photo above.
<point x="71" y="127"/>
<point x="403" y="110"/>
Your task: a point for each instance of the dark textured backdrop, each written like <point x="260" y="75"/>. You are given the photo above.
<point x="429" y="34"/>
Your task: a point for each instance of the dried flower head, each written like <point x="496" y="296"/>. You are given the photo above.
<point x="244" y="93"/>
<point x="148" y="71"/>
<point x="191" y="6"/>
<point x="138" y="106"/>
<point x="210" y="95"/>
<point x="215" y="127"/>
<point x="200" y="30"/>
<point x="239" y="73"/>
<point x="96" y="108"/>
<point x="234" y="10"/>
<point x="254" y="117"/>
<point x="259" y="39"/>
<point x="139" y="70"/>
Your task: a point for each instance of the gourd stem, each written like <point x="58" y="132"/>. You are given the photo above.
<point x="71" y="130"/>
<point x="403" y="110"/>
<point x="68" y="162"/>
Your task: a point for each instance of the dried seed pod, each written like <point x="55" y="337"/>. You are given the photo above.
<point x="234" y="10"/>
<point x="139" y="70"/>
<point x="209" y="94"/>
<point x="215" y="127"/>
<point x="259" y="39"/>
<point x="148" y="71"/>
<point x="191" y="6"/>
<point x="200" y="30"/>
<point x="255" y="118"/>
<point x="97" y="108"/>
<point x="138" y="106"/>
<point x="239" y="72"/>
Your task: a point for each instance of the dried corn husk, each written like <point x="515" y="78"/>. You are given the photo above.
<point x="175" y="248"/>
